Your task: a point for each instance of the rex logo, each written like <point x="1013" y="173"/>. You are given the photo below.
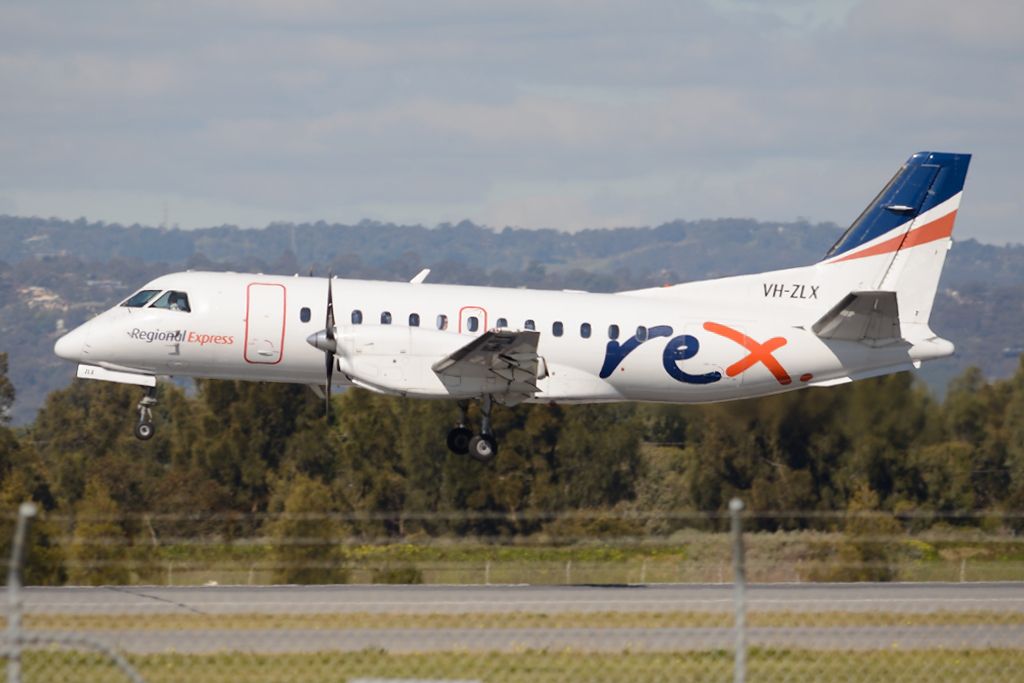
<point x="686" y="346"/>
<point x="757" y="352"/>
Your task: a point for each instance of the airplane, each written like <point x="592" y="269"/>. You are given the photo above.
<point x="862" y="311"/>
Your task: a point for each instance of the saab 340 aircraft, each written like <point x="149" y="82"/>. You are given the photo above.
<point x="860" y="312"/>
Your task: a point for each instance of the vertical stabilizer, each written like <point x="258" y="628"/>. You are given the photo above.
<point x="899" y="242"/>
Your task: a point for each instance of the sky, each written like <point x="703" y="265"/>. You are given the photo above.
<point x="533" y="113"/>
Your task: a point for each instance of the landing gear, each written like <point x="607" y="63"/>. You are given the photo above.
<point x="144" y="429"/>
<point x="458" y="440"/>
<point x="459" y="436"/>
<point x="461" y="440"/>
<point x="483" y="448"/>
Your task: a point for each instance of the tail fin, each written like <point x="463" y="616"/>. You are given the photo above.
<point x="899" y="242"/>
<point x="886" y="266"/>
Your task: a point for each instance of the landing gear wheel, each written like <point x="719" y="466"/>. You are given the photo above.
<point x="483" y="448"/>
<point x="458" y="440"/>
<point x="144" y="431"/>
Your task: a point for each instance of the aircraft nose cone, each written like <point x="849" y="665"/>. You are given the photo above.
<point x="69" y="347"/>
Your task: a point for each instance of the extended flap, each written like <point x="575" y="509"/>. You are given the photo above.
<point x="504" y="355"/>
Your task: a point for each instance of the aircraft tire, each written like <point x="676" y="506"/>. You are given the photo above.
<point x="144" y="431"/>
<point x="458" y="440"/>
<point x="483" y="448"/>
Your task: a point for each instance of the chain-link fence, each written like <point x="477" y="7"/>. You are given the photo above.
<point x="601" y="597"/>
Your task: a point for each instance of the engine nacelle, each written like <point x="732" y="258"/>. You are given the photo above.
<point x="395" y="359"/>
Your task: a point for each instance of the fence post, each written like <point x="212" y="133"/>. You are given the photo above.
<point x="739" y="590"/>
<point x="26" y="511"/>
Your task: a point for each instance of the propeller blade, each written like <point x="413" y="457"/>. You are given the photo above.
<point x="329" y="355"/>
<point x="327" y="386"/>
<point x="330" y="309"/>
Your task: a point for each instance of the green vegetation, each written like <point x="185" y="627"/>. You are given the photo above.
<point x="537" y="666"/>
<point x="248" y="483"/>
<point x="510" y="620"/>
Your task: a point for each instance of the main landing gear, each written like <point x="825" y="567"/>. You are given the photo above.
<point x="144" y="429"/>
<point x="461" y="440"/>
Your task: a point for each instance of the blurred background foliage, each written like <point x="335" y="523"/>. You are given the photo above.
<point x="227" y="461"/>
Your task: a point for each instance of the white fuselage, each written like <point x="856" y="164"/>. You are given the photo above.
<point x="698" y="348"/>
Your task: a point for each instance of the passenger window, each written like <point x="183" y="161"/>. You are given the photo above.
<point x="641" y="333"/>
<point x="414" y="320"/>
<point x="140" y="299"/>
<point x="585" y="330"/>
<point x="305" y="314"/>
<point x="613" y="332"/>
<point x="357" y="317"/>
<point x="530" y="325"/>
<point x="385" y="318"/>
<point x="502" y="322"/>
<point x="174" y="301"/>
<point x="556" y="328"/>
<point x="442" y="322"/>
<point x="472" y="323"/>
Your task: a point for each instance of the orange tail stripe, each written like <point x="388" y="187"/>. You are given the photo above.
<point x="929" y="232"/>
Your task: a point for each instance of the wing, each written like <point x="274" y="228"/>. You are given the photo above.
<point x="503" y="362"/>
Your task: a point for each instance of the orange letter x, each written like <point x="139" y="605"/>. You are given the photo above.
<point x="759" y="353"/>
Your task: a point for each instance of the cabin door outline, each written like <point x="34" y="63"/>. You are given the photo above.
<point x="266" y="306"/>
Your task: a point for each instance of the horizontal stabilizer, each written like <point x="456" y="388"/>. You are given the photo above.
<point x="869" y="317"/>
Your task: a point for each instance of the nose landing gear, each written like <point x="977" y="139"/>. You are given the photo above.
<point x="481" y="447"/>
<point x="144" y="429"/>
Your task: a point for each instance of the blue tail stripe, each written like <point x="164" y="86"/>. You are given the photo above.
<point x="925" y="181"/>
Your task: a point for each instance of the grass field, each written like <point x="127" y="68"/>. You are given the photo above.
<point x="688" y="556"/>
<point x="514" y="620"/>
<point x="539" y="666"/>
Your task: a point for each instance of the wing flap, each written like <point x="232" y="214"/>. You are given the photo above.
<point x="504" y="360"/>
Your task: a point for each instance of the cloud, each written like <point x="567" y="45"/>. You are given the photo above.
<point x="546" y="113"/>
<point x="990" y="26"/>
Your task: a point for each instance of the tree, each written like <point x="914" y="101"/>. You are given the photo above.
<point x="44" y="556"/>
<point x="85" y="431"/>
<point x="1014" y="438"/>
<point x="945" y="469"/>
<point x="243" y="432"/>
<point x="6" y="390"/>
<point x="306" y="536"/>
<point x="97" y="548"/>
<point x="598" y="456"/>
<point x="867" y="552"/>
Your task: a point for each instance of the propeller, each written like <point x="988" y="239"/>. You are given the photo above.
<point x="333" y="344"/>
<point x="326" y="342"/>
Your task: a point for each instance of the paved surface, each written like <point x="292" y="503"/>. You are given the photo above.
<point x="276" y="641"/>
<point x="1007" y="596"/>
<point x="998" y="599"/>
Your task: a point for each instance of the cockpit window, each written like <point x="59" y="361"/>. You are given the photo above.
<point x="175" y="301"/>
<point x="141" y="298"/>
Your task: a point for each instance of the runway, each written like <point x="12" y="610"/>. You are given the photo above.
<point x="1004" y="596"/>
<point x="977" y="615"/>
